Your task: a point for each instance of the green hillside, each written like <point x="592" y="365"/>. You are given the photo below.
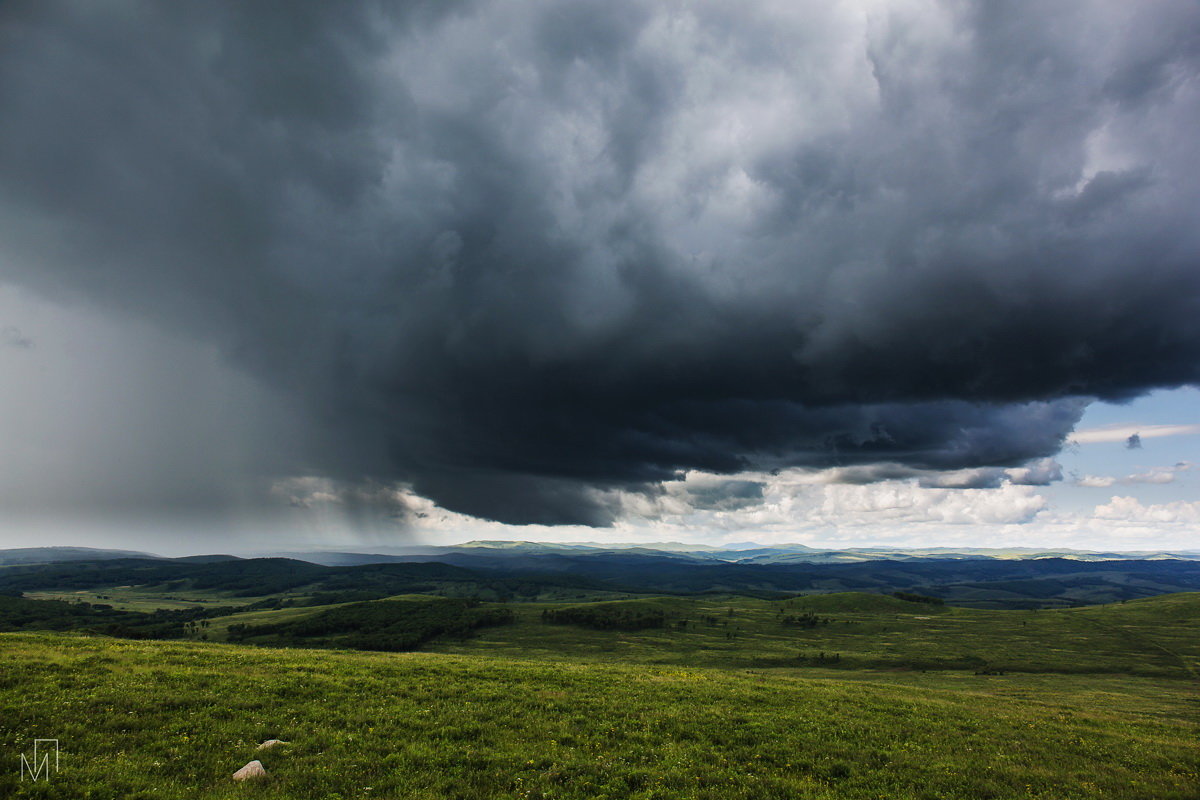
<point x="851" y="695"/>
<point x="1159" y="636"/>
<point x="501" y="574"/>
<point x="161" y="720"/>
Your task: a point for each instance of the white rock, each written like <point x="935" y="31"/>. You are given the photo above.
<point x="252" y="770"/>
<point x="269" y="743"/>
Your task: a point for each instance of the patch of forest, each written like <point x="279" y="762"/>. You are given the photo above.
<point x="618" y="615"/>
<point x="387" y="625"/>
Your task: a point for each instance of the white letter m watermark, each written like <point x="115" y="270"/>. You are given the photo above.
<point x="40" y="769"/>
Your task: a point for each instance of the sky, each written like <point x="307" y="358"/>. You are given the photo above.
<point x="283" y="275"/>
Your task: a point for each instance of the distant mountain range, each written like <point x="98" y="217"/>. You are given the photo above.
<point x="508" y="551"/>
<point x="513" y="552"/>
<point x="741" y="553"/>
<point x="539" y="571"/>
<point x="45" y="555"/>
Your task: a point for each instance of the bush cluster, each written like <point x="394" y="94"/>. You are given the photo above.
<point x="388" y="625"/>
<point x="611" y="616"/>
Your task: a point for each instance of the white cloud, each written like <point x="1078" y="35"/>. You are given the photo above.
<point x="1121" y="432"/>
<point x="1153" y="475"/>
<point x="895" y="501"/>
<point x="1157" y="475"/>
<point x="804" y="500"/>
<point x="1131" y="510"/>
<point x="1042" y="472"/>
<point x="1096" y="481"/>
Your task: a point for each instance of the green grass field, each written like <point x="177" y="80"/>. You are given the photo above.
<point x="173" y="720"/>
<point x="1154" y="637"/>
<point x="1096" y="702"/>
<point x="137" y="598"/>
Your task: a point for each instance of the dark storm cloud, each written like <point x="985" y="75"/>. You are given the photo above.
<point x="1039" y="472"/>
<point x="1134" y="442"/>
<point x="511" y="253"/>
<point x="364" y="505"/>
<point x="11" y="336"/>
<point x="726" y="496"/>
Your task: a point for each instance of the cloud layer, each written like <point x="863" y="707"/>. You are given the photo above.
<point x="1126" y="433"/>
<point x="516" y="256"/>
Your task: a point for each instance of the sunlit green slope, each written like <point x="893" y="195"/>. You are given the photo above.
<point x="174" y="720"/>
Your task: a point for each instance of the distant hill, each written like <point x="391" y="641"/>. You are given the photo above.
<point x="209" y="559"/>
<point x="753" y="553"/>
<point x="665" y="547"/>
<point x="513" y="553"/>
<point x="340" y="559"/>
<point x="491" y="574"/>
<point x="46" y="555"/>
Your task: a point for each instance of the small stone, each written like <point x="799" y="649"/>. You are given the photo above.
<point x="269" y="743"/>
<point x="252" y="770"/>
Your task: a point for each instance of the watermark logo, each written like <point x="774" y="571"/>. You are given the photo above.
<point x="40" y="767"/>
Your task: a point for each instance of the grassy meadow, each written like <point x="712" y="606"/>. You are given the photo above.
<point x="822" y="696"/>
<point x="137" y="598"/>
<point x="1154" y="637"/>
<point x="142" y="720"/>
